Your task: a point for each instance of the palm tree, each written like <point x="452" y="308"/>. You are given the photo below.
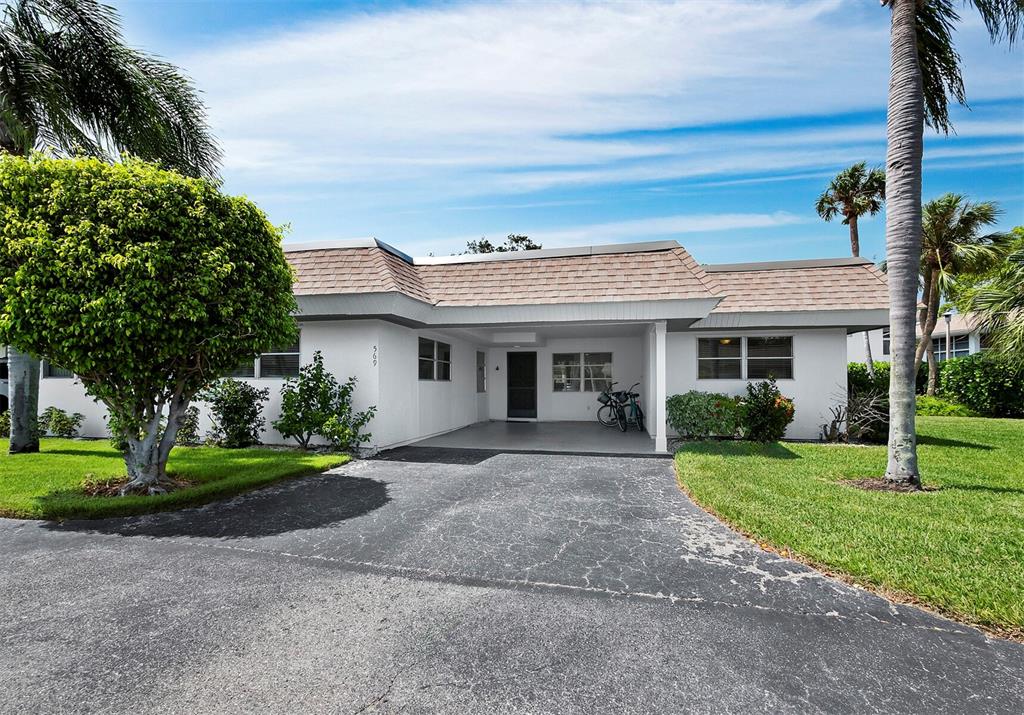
<point x="69" y="84"/>
<point x="924" y="73"/>
<point x="951" y="246"/>
<point x="853" y="193"/>
<point x="999" y="301"/>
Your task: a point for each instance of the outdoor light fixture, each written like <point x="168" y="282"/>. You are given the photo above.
<point x="948" y="315"/>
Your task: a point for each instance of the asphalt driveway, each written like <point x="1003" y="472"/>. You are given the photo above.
<point x="454" y="581"/>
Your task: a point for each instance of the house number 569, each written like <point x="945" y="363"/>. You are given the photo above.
<point x="375" y="356"/>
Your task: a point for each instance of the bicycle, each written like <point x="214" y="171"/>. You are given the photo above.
<point x="614" y="406"/>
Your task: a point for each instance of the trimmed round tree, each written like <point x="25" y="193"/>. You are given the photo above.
<point x="145" y="283"/>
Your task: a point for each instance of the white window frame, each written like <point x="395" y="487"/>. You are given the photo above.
<point x="585" y="378"/>
<point x="579" y="374"/>
<point x="257" y="366"/>
<point x="435" y="360"/>
<point x="743" y="358"/>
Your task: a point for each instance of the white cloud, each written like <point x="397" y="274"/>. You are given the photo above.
<point x="632" y="230"/>
<point x="484" y="98"/>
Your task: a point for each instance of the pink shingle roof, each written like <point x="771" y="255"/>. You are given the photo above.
<point x="665" y="272"/>
<point x="842" y="287"/>
<point x="605" y="277"/>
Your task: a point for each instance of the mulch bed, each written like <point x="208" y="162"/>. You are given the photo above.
<point x="876" y="484"/>
<point x="112" y="487"/>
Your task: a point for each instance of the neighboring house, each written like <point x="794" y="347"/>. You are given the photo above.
<point x="441" y="343"/>
<point x="965" y="338"/>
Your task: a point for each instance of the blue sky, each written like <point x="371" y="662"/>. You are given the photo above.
<point x="430" y="124"/>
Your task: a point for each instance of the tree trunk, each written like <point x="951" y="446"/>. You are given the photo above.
<point x="23" y="379"/>
<point x="905" y="146"/>
<point x="146" y="458"/>
<point x="869" y="360"/>
<point x="931" y="317"/>
<point x="933" y="372"/>
<point x="854" y="236"/>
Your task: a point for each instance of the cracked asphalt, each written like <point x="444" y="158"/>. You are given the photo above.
<point x="461" y="581"/>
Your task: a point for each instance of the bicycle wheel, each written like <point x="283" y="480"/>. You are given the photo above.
<point x="606" y="415"/>
<point x="620" y="417"/>
<point x="639" y="414"/>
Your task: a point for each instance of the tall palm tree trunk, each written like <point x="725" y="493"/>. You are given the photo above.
<point x="905" y="147"/>
<point x="930" y="320"/>
<point x="869" y="360"/>
<point x="23" y="370"/>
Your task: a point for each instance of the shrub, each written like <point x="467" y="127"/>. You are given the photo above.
<point x="765" y="412"/>
<point x="940" y="407"/>
<point x="985" y="383"/>
<point x="698" y="415"/>
<point x="143" y="283"/>
<point x="236" y="409"/>
<point x="867" y="416"/>
<point x="58" y="423"/>
<point x="188" y="428"/>
<point x="5" y="424"/>
<point x="316" y="404"/>
<point x="858" y="380"/>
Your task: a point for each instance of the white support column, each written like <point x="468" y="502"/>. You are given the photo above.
<point x="660" y="387"/>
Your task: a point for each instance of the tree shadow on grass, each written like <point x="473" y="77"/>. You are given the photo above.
<point x="944" y="442"/>
<point x="309" y="503"/>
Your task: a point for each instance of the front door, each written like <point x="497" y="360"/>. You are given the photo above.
<point x="522" y="385"/>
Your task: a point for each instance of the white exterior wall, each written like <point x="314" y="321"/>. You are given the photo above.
<point x="627" y="368"/>
<point x="819" y="373"/>
<point x="347" y="351"/>
<point x="855" y="347"/>
<point x="410" y="408"/>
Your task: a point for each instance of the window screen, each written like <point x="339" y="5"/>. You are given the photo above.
<point x="597" y="372"/>
<point x="719" y="358"/>
<point x="770" y="357"/>
<point x="565" y="372"/>
<point x="280" y="362"/>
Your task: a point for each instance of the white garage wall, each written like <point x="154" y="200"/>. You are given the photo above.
<point x="627" y="368"/>
<point x="411" y="408"/>
<point x="819" y="369"/>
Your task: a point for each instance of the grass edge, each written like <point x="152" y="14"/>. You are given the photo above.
<point x="1009" y="633"/>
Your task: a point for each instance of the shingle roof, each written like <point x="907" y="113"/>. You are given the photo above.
<point x="664" y="274"/>
<point x="660" y="271"/>
<point x="800" y="286"/>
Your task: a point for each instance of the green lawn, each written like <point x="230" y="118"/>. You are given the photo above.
<point x="958" y="550"/>
<point x="48" y="485"/>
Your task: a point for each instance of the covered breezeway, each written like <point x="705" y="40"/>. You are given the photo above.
<point x="574" y="437"/>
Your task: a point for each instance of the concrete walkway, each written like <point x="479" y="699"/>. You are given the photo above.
<point x="459" y="582"/>
<point x="579" y="437"/>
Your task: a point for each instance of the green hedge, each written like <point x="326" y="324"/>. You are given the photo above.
<point x="698" y="415"/>
<point x="857" y="378"/>
<point x="985" y="383"/>
<point x="941" y="407"/>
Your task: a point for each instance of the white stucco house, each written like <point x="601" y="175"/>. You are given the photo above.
<point x="965" y="338"/>
<point x="438" y="344"/>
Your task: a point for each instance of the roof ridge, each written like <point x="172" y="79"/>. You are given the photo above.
<point x="709" y="283"/>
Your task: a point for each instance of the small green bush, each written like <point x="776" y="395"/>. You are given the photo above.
<point x="940" y="407"/>
<point x="316" y="404"/>
<point x="765" y="412"/>
<point x="988" y="384"/>
<point x="236" y="409"/>
<point x="858" y="380"/>
<point x="698" y="415"/>
<point x="58" y="423"/>
<point x="5" y="424"/>
<point x="188" y="429"/>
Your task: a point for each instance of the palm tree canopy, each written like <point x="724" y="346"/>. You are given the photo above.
<point x="69" y="83"/>
<point x="853" y="192"/>
<point x="999" y="301"/>
<point x="952" y="242"/>
<point x="937" y="55"/>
